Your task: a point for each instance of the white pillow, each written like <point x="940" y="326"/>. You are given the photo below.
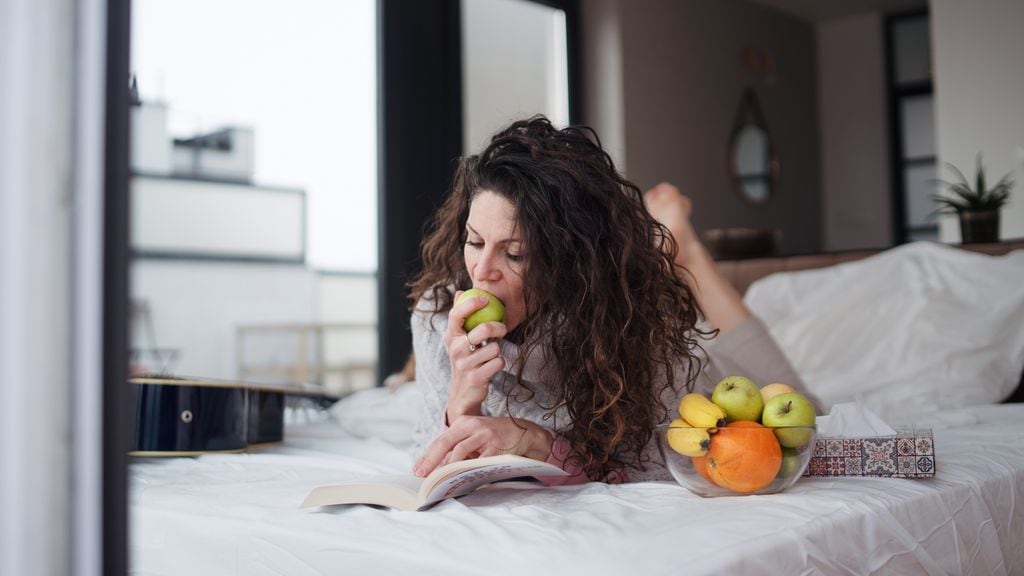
<point x="380" y="412"/>
<point x="915" y="329"/>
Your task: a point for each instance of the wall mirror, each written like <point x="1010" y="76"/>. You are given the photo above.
<point x="752" y="164"/>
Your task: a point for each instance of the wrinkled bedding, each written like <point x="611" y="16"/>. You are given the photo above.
<point x="239" y="514"/>
<point x="921" y="334"/>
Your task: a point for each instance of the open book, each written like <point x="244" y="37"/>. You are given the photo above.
<point x="448" y="481"/>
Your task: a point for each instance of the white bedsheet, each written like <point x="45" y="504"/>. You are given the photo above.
<point x="238" y="514"/>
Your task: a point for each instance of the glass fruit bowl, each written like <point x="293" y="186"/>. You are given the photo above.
<point x="738" y="459"/>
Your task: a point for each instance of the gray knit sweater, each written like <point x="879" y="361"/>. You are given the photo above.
<point x="747" y="349"/>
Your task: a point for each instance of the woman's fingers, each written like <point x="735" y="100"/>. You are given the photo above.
<point x="487" y="332"/>
<point x="478" y="358"/>
<point x="459" y="312"/>
<point x="481" y="336"/>
<point x="470" y="438"/>
<point x="453" y="445"/>
<point x="465" y="449"/>
<point x="435" y="454"/>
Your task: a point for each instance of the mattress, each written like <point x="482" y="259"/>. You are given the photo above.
<point x="239" y="513"/>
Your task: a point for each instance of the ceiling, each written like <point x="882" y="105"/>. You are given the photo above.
<point x="819" y="10"/>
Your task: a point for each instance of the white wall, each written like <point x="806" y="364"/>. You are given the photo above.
<point x="681" y="82"/>
<point x="37" y="195"/>
<point x="977" y="50"/>
<point x="856" y="193"/>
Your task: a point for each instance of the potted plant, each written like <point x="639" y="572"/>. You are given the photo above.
<point x="978" y="206"/>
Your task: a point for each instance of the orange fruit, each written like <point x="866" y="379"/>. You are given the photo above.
<point x="744" y="457"/>
<point x="700" y="463"/>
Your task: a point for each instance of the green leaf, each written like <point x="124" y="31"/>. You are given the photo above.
<point x="965" y="198"/>
<point x="980" y="175"/>
<point x="959" y="174"/>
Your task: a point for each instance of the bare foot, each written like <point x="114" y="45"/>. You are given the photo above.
<point x="672" y="209"/>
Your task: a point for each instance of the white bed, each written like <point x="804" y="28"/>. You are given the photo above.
<point x="239" y="514"/>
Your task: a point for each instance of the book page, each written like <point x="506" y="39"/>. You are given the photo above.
<point x="469" y="475"/>
<point x="399" y="492"/>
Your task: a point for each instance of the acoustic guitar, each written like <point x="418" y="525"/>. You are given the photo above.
<point x="178" y="416"/>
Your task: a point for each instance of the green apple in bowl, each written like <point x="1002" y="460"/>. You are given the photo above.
<point x="791" y="463"/>
<point x="740" y="398"/>
<point x="493" y="311"/>
<point x="789" y="412"/>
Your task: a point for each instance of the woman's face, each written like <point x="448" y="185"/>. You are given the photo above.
<point x="495" y="255"/>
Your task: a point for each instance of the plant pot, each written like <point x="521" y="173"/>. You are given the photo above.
<point x="979" y="226"/>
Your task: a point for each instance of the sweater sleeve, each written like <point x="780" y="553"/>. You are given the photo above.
<point x="433" y="375"/>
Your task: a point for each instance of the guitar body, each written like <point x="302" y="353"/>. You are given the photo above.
<point x="189" y="417"/>
<point x="266" y="416"/>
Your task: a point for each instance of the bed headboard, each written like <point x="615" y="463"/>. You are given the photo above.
<point x="743" y="273"/>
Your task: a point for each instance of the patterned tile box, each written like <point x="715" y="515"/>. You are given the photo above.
<point x="908" y="454"/>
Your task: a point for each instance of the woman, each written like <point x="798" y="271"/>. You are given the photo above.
<point x="602" y="331"/>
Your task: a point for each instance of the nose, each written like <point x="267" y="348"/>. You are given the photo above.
<point x="487" y="267"/>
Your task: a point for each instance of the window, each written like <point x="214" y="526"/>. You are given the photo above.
<point x="514" y="65"/>
<point x="302" y="76"/>
<point x="254" y="192"/>
<point x="912" y="126"/>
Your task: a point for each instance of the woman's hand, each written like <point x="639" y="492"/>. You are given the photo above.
<point x="475" y="358"/>
<point x="476" y="436"/>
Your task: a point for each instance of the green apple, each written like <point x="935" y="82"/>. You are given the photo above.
<point x="788" y="410"/>
<point x="774" y="389"/>
<point x="739" y="397"/>
<point x="493" y="311"/>
<point x="790" y="463"/>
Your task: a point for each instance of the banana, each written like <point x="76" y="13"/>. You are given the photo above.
<point x="700" y="412"/>
<point x="687" y="440"/>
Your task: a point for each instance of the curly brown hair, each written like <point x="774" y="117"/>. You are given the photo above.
<point x="600" y="284"/>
